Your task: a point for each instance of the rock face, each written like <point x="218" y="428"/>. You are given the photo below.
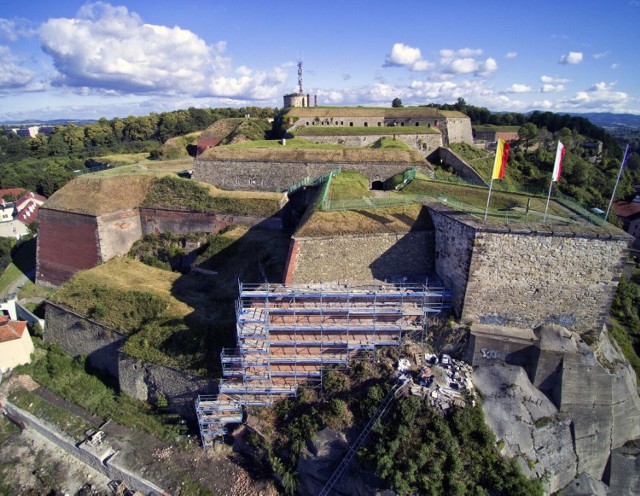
<point x="564" y="410"/>
<point x="319" y="459"/>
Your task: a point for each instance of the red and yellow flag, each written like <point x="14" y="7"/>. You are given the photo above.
<point x="502" y="155"/>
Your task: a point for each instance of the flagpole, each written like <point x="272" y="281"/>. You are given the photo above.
<point x="548" y="198"/>
<point x="624" y="160"/>
<point x="486" y="210"/>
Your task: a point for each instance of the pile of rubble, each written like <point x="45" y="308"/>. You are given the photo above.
<point x="444" y="381"/>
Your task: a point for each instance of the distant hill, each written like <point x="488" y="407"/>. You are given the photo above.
<point x="54" y="122"/>
<point x="611" y="120"/>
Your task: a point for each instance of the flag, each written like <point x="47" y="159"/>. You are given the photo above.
<point x="502" y="155"/>
<point x="625" y="158"/>
<point x="557" y="167"/>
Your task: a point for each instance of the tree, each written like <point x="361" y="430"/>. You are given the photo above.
<point x="528" y="132"/>
<point x="396" y="103"/>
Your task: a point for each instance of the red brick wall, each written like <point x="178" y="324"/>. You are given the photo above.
<point x="67" y="243"/>
<point x="292" y="261"/>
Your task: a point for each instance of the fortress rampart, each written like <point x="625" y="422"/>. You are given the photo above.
<point x="421" y="142"/>
<point x="278" y="176"/>
<point x="498" y="276"/>
<point x="69" y="241"/>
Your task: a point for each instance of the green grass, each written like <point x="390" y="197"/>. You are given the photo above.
<point x="32" y="290"/>
<point x="625" y="342"/>
<point x="70" y="424"/>
<point x="9" y="276"/>
<point x="347" y="185"/>
<point x="184" y="194"/>
<point x="390" y="144"/>
<point x="290" y="143"/>
<point x="361" y="130"/>
<point x="67" y="377"/>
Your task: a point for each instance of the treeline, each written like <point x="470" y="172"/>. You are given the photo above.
<point x="45" y="163"/>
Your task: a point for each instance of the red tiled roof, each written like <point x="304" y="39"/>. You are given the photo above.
<point x="11" y="329"/>
<point x="15" y="192"/>
<point x="30" y="197"/>
<point x="625" y="209"/>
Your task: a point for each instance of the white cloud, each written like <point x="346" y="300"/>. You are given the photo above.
<point x="615" y="66"/>
<point x="405" y="56"/>
<point x="553" y="80"/>
<point x="571" y="58"/>
<point x="601" y="55"/>
<point x="12" y="74"/>
<point x="544" y="104"/>
<point x="511" y="55"/>
<point x="552" y="88"/>
<point x="108" y="48"/>
<point x="12" y="29"/>
<point x="599" y="97"/>
<point x="446" y="53"/>
<point x="518" y="88"/>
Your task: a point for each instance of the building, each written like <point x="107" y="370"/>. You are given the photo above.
<point x="629" y="214"/>
<point x="18" y="208"/>
<point x="15" y="343"/>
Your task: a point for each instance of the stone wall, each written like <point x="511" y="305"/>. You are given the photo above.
<point x="524" y="278"/>
<point x="76" y="335"/>
<point x="360" y="257"/>
<point x="117" y="232"/>
<point x="110" y="466"/>
<point x="458" y="130"/>
<point x="530" y="279"/>
<point x="464" y="170"/>
<point x="419" y="142"/>
<point x="67" y="243"/>
<point x="278" y="176"/>
<point x="148" y="382"/>
<point x="453" y="250"/>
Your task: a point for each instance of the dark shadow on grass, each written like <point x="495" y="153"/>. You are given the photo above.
<point x="23" y="256"/>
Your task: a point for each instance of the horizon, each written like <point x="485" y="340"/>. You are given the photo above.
<point x="76" y="60"/>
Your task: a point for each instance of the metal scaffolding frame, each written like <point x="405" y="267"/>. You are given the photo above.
<point x="289" y="335"/>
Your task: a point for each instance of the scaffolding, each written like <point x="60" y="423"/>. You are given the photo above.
<point x="289" y="335"/>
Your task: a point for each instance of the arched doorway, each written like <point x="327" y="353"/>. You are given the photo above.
<point x="377" y="185"/>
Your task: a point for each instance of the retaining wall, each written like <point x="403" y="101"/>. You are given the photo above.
<point x="110" y="467"/>
<point x="278" y="176"/>
<point x="360" y="257"/>
<point x="463" y="169"/>
<point x="524" y="278"/>
<point x="419" y="142"/>
<point x="148" y="382"/>
<point x="117" y="232"/>
<point x="76" y="335"/>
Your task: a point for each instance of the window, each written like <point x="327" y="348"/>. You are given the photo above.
<point x="351" y="124"/>
<point x="366" y="124"/>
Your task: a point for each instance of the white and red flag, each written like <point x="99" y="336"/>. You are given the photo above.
<point x="557" y="167"/>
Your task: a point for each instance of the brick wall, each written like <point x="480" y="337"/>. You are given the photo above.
<point x="67" y="243"/>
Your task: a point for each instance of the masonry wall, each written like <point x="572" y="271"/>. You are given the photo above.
<point x="530" y="279"/>
<point x="453" y="250"/>
<point x="464" y="170"/>
<point x="419" y="142"/>
<point x="76" y="335"/>
<point x="147" y="382"/>
<point x="117" y="232"/>
<point x="459" y="130"/>
<point x="67" y="242"/>
<point x="278" y="176"/>
<point x="360" y="257"/>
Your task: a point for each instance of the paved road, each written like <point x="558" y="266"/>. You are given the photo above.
<point x="15" y="286"/>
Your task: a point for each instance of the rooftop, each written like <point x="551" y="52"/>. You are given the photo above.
<point x="11" y="330"/>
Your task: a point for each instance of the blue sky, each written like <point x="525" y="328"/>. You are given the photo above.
<point x="75" y="59"/>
